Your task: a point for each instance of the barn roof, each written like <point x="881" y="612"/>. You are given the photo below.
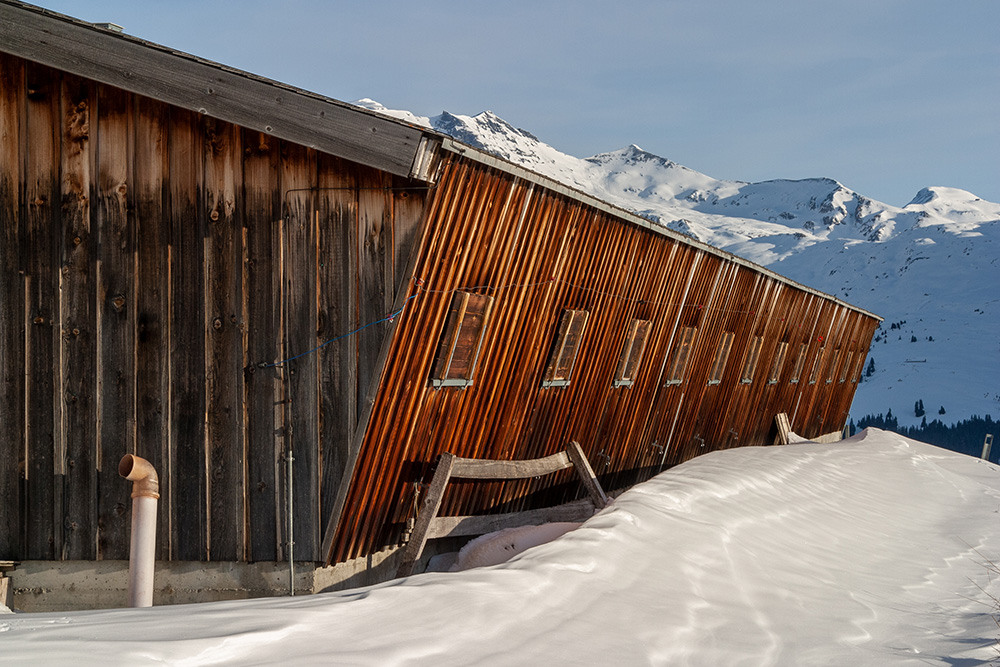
<point x="98" y="52"/>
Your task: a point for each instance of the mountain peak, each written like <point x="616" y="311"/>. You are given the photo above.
<point x="938" y="193"/>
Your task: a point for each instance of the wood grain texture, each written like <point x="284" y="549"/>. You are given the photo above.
<point x="42" y="219"/>
<point x="12" y="313"/>
<point x="337" y="208"/>
<point x="188" y="506"/>
<point x="298" y="179"/>
<point x="465" y="526"/>
<point x="262" y="270"/>
<point x="224" y="346"/>
<point x="78" y="316"/>
<point x="151" y="178"/>
<point x="116" y="306"/>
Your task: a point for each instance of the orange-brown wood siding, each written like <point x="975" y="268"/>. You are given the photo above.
<point x="538" y="252"/>
<point x="153" y="262"/>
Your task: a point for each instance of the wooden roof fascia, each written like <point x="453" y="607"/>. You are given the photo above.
<point x="215" y="90"/>
<point x="454" y="146"/>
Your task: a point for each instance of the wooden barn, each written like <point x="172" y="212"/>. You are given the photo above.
<point x="292" y="306"/>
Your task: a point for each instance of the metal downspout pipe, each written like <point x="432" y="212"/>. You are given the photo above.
<point x="142" y="545"/>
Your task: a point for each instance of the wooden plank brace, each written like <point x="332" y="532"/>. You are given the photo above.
<point x="428" y="525"/>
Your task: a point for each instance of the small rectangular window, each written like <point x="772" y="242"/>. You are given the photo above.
<point x="567" y="344"/>
<point x="777" y="363"/>
<point x="458" y="348"/>
<point x="858" y="367"/>
<point x="750" y="365"/>
<point x="817" y="366"/>
<point x="635" y="345"/>
<point x="721" y="357"/>
<point x="834" y="363"/>
<point x="800" y="362"/>
<point x="681" y="355"/>
<point x="847" y="367"/>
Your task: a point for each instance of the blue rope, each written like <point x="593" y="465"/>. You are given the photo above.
<point x="388" y="318"/>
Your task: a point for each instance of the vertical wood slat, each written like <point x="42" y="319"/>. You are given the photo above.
<point x="188" y="512"/>
<point x="337" y="206"/>
<point x="151" y="222"/>
<point x="225" y="457"/>
<point x="298" y="179"/>
<point x="42" y="218"/>
<point x="375" y="272"/>
<point x="116" y="315"/>
<point x="12" y="315"/>
<point x="78" y="324"/>
<point x="262" y="302"/>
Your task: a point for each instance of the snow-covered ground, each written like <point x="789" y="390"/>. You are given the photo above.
<point x="873" y="551"/>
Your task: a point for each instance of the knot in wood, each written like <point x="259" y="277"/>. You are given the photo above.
<point x="217" y="323"/>
<point x="118" y="303"/>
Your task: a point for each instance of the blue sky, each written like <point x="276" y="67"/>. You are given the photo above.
<point x="886" y="96"/>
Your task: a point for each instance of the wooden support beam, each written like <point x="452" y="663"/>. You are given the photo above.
<point x="781" y="421"/>
<point x="462" y="526"/>
<point x="432" y="503"/>
<point x="429" y="526"/>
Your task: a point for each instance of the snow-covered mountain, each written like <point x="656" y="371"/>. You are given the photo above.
<point x="930" y="268"/>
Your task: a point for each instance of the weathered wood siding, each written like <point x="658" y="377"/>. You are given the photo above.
<point x="153" y="263"/>
<point x="538" y="252"/>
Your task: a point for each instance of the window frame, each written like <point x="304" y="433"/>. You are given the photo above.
<point x="722" y="352"/>
<point x="565" y="348"/>
<point x="632" y="351"/>
<point x="461" y="319"/>
<point x="774" y="376"/>
<point x="817" y="366"/>
<point x="834" y="364"/>
<point x="845" y="371"/>
<point x="800" y="362"/>
<point x="753" y="357"/>
<point x="680" y="356"/>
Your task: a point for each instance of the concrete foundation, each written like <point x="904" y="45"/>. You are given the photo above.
<point x="42" y="586"/>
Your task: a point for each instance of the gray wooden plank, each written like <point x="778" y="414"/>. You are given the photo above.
<point x="261" y="285"/>
<point x="11" y="307"/>
<point x="375" y="274"/>
<point x="586" y="475"/>
<point x="493" y="469"/>
<point x="298" y="178"/>
<point x="79" y="324"/>
<point x="41" y="309"/>
<point x="188" y="512"/>
<point x="337" y="204"/>
<point x="224" y="346"/>
<point x="426" y="514"/>
<point x="209" y="88"/>
<point x="463" y="526"/>
<point x="151" y="165"/>
<point x="116" y="313"/>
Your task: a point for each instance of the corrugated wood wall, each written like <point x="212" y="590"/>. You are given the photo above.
<point x="537" y="252"/>
<point x="151" y="260"/>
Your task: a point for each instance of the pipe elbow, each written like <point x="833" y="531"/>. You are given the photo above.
<point x="142" y="474"/>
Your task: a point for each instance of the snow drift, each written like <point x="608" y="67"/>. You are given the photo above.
<point x="872" y="551"/>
